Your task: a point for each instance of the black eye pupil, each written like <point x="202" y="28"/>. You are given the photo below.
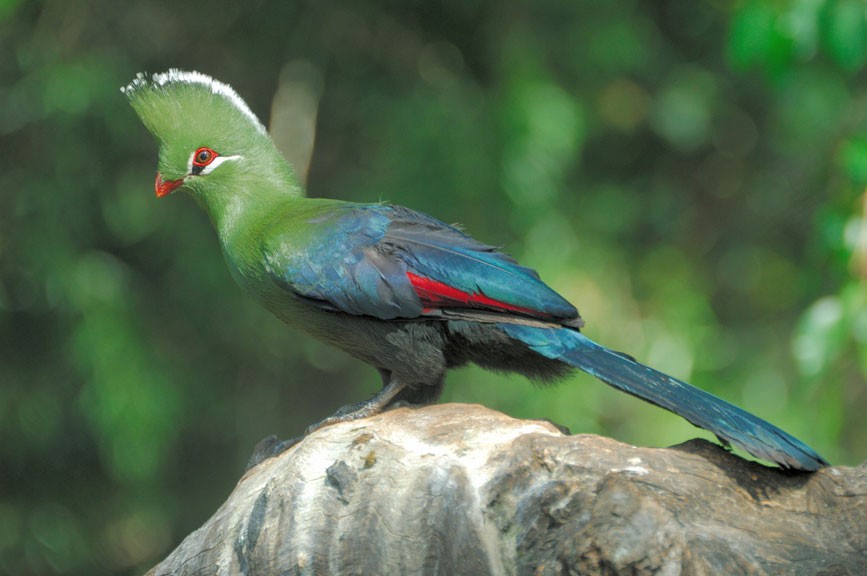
<point x="203" y="156"/>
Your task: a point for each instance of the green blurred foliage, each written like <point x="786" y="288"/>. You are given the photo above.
<point x="691" y="173"/>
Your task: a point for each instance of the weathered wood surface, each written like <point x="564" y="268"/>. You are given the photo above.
<point x="457" y="489"/>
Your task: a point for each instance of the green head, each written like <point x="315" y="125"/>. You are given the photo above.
<point x="210" y="141"/>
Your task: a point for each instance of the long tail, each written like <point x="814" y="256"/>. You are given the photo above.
<point x="729" y="423"/>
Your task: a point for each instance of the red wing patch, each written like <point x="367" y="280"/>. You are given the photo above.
<point x="436" y="293"/>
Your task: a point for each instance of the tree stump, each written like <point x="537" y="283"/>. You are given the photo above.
<point x="460" y="489"/>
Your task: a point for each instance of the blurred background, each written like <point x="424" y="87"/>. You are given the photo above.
<point x="690" y="173"/>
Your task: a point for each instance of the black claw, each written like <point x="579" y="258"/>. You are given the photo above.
<point x="273" y="446"/>
<point x="360" y="410"/>
<point x="268" y="448"/>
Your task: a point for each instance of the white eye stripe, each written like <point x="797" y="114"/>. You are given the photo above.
<point x="216" y="162"/>
<point x="210" y="167"/>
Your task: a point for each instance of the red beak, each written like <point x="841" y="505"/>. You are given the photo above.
<point x="165" y="187"/>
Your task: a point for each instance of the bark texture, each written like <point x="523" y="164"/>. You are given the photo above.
<point x="457" y="489"/>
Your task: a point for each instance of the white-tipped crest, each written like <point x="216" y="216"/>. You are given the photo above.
<point x="216" y="87"/>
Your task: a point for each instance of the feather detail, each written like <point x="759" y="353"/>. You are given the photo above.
<point x="435" y="293"/>
<point x="728" y="422"/>
<point x="391" y="262"/>
<point x="174" y="76"/>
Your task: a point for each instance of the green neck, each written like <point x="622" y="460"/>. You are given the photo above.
<point x="239" y="206"/>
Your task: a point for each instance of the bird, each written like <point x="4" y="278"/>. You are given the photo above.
<point x="393" y="287"/>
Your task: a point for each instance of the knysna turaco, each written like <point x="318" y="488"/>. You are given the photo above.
<point x="395" y="288"/>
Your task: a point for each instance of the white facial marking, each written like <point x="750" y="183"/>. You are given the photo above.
<point x="216" y="162"/>
<point x="212" y="166"/>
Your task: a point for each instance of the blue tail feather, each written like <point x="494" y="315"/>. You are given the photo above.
<point x="728" y="422"/>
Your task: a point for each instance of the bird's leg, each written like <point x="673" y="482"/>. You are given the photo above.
<point x="362" y="409"/>
<point x="272" y="446"/>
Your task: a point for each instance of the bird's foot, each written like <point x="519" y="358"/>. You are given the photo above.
<point x="273" y="446"/>
<point x="563" y="429"/>
<point x="268" y="448"/>
<point x="361" y="409"/>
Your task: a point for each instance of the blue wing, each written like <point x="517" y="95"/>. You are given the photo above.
<point x="391" y="262"/>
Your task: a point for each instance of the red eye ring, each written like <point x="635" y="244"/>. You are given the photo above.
<point x="204" y="156"/>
